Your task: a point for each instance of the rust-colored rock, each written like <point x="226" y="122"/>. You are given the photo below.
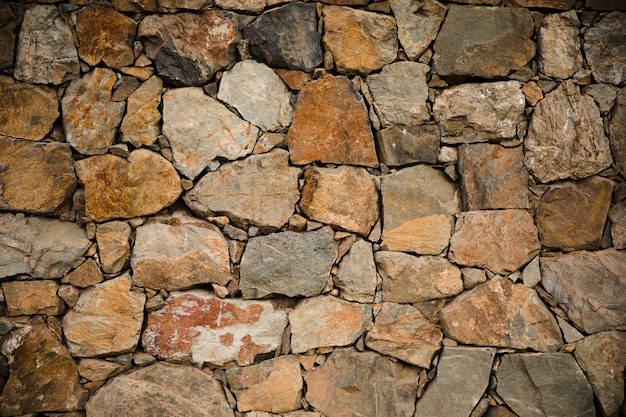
<point x="85" y="275"/>
<point x="32" y="297"/>
<point x="141" y="122"/>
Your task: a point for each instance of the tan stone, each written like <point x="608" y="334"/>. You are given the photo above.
<point x="32" y="297"/>
<point x="135" y="5"/>
<point x="293" y="78"/>
<point x="98" y="370"/>
<point x="113" y="240"/>
<point x="141" y="122"/>
<point x="617" y="215"/>
<point x="532" y="92"/>
<point x="85" y="275"/>
<point x="558" y="45"/>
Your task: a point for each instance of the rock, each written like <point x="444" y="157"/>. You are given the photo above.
<point x="532" y="92"/>
<point x="479" y="112"/>
<point x="617" y="215"/>
<point x="90" y="117"/>
<point x="45" y="50"/>
<point x="258" y="93"/>
<point x="179" y="255"/>
<point x="289" y="263"/>
<point x="145" y="183"/>
<point x="483" y="42"/>
<point x="295" y="79"/>
<point x="571" y="215"/>
<point x="356" y="276"/>
<point x="559" y="45"/>
<point x="193" y="62"/>
<point x="8" y="34"/>
<point x="343" y="386"/>
<point x="181" y="391"/>
<point x="141" y="122"/>
<point x="570" y="333"/>
<point x="43" y="374"/>
<point x="531" y="275"/>
<point x="603" y="94"/>
<point x="136" y="5"/>
<point x="588" y="286"/>
<point x="85" y="275"/>
<point x="474" y="276"/>
<point x="549" y="4"/>
<point x="113" y="240"/>
<point x="399" y="146"/>
<point x="69" y="294"/>
<point x="249" y="6"/>
<point x="492" y="177"/>
<point x="331" y="125"/>
<point x="544" y="384"/>
<point x="273" y="385"/>
<point x="360" y="41"/>
<point x="98" y="370"/>
<point x="500" y="313"/>
<point x="200" y="128"/>
<point x="411" y="279"/>
<point x="499" y="240"/>
<point x="35" y="177"/>
<point x="605" y="5"/>
<point x="174" y="5"/>
<point x="32" y="297"/>
<point x="199" y="327"/>
<point x="26" y="111"/>
<point x="106" y="319"/>
<point x="345" y="197"/>
<point x="457" y="366"/>
<point x="617" y="130"/>
<point x="418" y="24"/>
<point x="286" y="37"/>
<point x="402" y="332"/>
<point x="602" y="46"/>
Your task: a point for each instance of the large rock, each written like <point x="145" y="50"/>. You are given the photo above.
<point x="356" y="275"/>
<point x="8" y="34"/>
<point x="406" y="145"/>
<point x="113" y="240"/>
<point x="196" y="326"/>
<point x="617" y="131"/>
<point x="418" y="24"/>
<point x="589" y="286"/>
<point x="288" y="263"/>
<point x="32" y="297"/>
<point x="141" y="122"/>
<point x="559" y="45"/>
<point x="603" y="48"/>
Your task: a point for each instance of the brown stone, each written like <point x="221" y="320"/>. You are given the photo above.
<point x="85" y="275"/>
<point x="32" y="297"/>
<point x="602" y="46"/>
<point x="617" y="215"/>
<point x="532" y="92"/>
<point x="559" y="45"/>
<point x="98" y="370"/>
<point x="135" y="5"/>
<point x="293" y="78"/>
<point x="549" y="4"/>
<point x="406" y="145"/>
<point x="69" y="294"/>
<point x="617" y="129"/>
<point x="113" y="240"/>
<point x="8" y="33"/>
<point x="141" y="122"/>
<point x="605" y="4"/>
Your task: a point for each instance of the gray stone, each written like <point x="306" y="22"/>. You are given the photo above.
<point x="570" y="333"/>
<point x="474" y="276"/>
<point x="141" y="122"/>
<point x="617" y="130"/>
<point x="617" y="215"/>
<point x="559" y="45"/>
<point x="603" y="46"/>
<point x="406" y="145"/>
<point x="603" y="94"/>
<point x="418" y="24"/>
<point x="113" y="240"/>
<point x="531" y="275"/>
<point x="356" y="276"/>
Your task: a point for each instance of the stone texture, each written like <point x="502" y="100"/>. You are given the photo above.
<point x="113" y="240"/>
<point x="549" y="4"/>
<point x="406" y="145"/>
<point x="8" y="33"/>
<point x="85" y="275"/>
<point x="500" y="313"/>
<point x="198" y="327"/>
<point x="288" y="263"/>
<point x="175" y="5"/>
<point x="356" y="275"/>
<point x="331" y="125"/>
<point x="260" y="190"/>
<point x="106" y="319"/>
<point x="617" y="131"/>
<point x="500" y="240"/>
<point x="345" y="197"/>
<point x="418" y="24"/>
<point x="589" y="287"/>
<point x="603" y="48"/>
<point x="617" y="215"/>
<point x="144" y="184"/>
<point x="35" y="177"/>
<point x="98" y="370"/>
<point x="559" y="45"/>
<point x="136" y="5"/>
<point x="140" y="126"/>
<point x="32" y="297"/>
<point x="605" y="5"/>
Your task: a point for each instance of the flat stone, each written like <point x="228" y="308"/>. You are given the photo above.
<point x="398" y="146"/>
<point x="32" y="297"/>
<point x="570" y="333"/>
<point x="85" y="275"/>
<point x="356" y="275"/>
<point x="559" y="45"/>
<point x="418" y="24"/>
<point x="500" y="313"/>
<point x="288" y="263"/>
<point x="98" y="370"/>
<point x="474" y="276"/>
<point x="603" y="48"/>
<point x="604" y="94"/>
<point x="617" y="215"/>
<point x="174" y="5"/>
<point x="113" y="240"/>
<point x="605" y="5"/>
<point x="249" y="6"/>
<point x="135" y="5"/>
<point x="8" y="34"/>
<point x="145" y="183"/>
<point x="295" y="79"/>
<point x="331" y="125"/>
<point x="617" y="131"/>
<point x="531" y="275"/>
<point x="547" y="4"/>
<point x="199" y="327"/>
<point x="140" y="126"/>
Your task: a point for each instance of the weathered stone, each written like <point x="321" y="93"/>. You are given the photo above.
<point x="603" y="94"/>
<point x="532" y="92"/>
<point x="331" y="125"/>
<point x="418" y="24"/>
<point x="286" y="37"/>
<point x="85" y="275"/>
<point x="106" y="319"/>
<point x="199" y="327"/>
<point x="354" y="384"/>
<point x="274" y="385"/>
<point x="617" y="130"/>
<point x="617" y="215"/>
<point x="345" y="197"/>
<point x="98" y="370"/>
<point x="113" y="240"/>
<point x="200" y="129"/>
<point x="258" y="93"/>
<point x="531" y="275"/>
<point x="499" y="240"/>
<point x="140" y="126"/>
<point x="175" y="5"/>
<point x="411" y="279"/>
<point x="295" y="79"/>
<point x="8" y="34"/>
<point x="289" y="263"/>
<point x="605" y="4"/>
<point x="260" y="190"/>
<point x="249" y="6"/>
<point x="181" y="391"/>
<point x="500" y="313"/>
<point x="571" y="215"/>
<point x="144" y="184"/>
<point x="474" y="276"/>
<point x="603" y="48"/>
<point x="135" y="5"/>
<point x="549" y="4"/>
<point x="405" y="145"/>
<point x="570" y="333"/>
<point x="589" y="286"/>
<point x="69" y="294"/>
<point x="32" y="297"/>
<point x="463" y="371"/>
<point x="479" y="112"/>
<point x="90" y="117"/>
<point x="544" y="384"/>
<point x="35" y="177"/>
<point x="559" y="45"/>
<point x="45" y="51"/>
<point x="356" y="276"/>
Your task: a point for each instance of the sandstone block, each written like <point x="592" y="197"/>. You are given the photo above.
<point x="559" y="45"/>
<point x="113" y="240"/>
<point x="32" y="297"/>
<point x="85" y="275"/>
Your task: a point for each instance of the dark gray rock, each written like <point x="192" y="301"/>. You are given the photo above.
<point x="8" y="33"/>
<point x="399" y="146"/>
<point x="604" y="48"/>
<point x="617" y="131"/>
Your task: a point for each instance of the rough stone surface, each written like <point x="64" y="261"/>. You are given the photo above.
<point x="558" y="45"/>
<point x="603" y="46"/>
<point x="405" y="145"/>
<point x="98" y="370"/>
<point x="32" y="297"/>
<point x="418" y="24"/>
<point x="617" y="215"/>
<point x="550" y="4"/>
<point x="113" y="240"/>
<point x="141" y="122"/>
<point x="85" y="275"/>
<point x="8" y="34"/>
<point x="356" y="276"/>
<point x="617" y="131"/>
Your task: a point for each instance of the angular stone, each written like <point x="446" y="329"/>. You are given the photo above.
<point x="356" y="276"/>
<point x="500" y="313"/>
<point x="45" y="51"/>
<point x="617" y="131"/>
<point x="144" y="183"/>
<point x="463" y="371"/>
<point x="479" y="112"/>
<point x="605" y="4"/>
<point x="474" y="276"/>
<point x="603" y="48"/>
<point x="181" y="391"/>
<point x="531" y="275"/>
<point x="411" y="279"/>
<point x="353" y="383"/>
<point x="198" y="327"/>
<point x="483" y="42"/>
<point x="174" y="5"/>
<point x="345" y="197"/>
<point x="289" y="263"/>
<point x="200" y="128"/>
<point x="295" y="79"/>
<point x="571" y="215"/>
<point x="499" y="240"/>
<point x="399" y="146"/>
<point x="544" y="384"/>
<point x="570" y="333"/>
<point x="260" y="190"/>
<point x="135" y="5"/>
<point x="286" y="37"/>
<point x="106" y="319"/>
<point x="8" y="34"/>
<point x="140" y="126"/>
<point x="35" y="177"/>
<point x="589" y="286"/>
<point x="98" y="370"/>
<point x="548" y="4"/>
<point x="113" y="240"/>
<point x="617" y="215"/>
<point x="249" y="6"/>
<point x="603" y="94"/>
<point x="559" y="45"/>
<point x="85" y="275"/>
<point x="418" y="24"/>
<point x="331" y="125"/>
<point x="258" y="93"/>
<point x="274" y="385"/>
<point x="32" y="297"/>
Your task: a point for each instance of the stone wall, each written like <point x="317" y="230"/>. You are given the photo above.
<point x="270" y="208"/>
